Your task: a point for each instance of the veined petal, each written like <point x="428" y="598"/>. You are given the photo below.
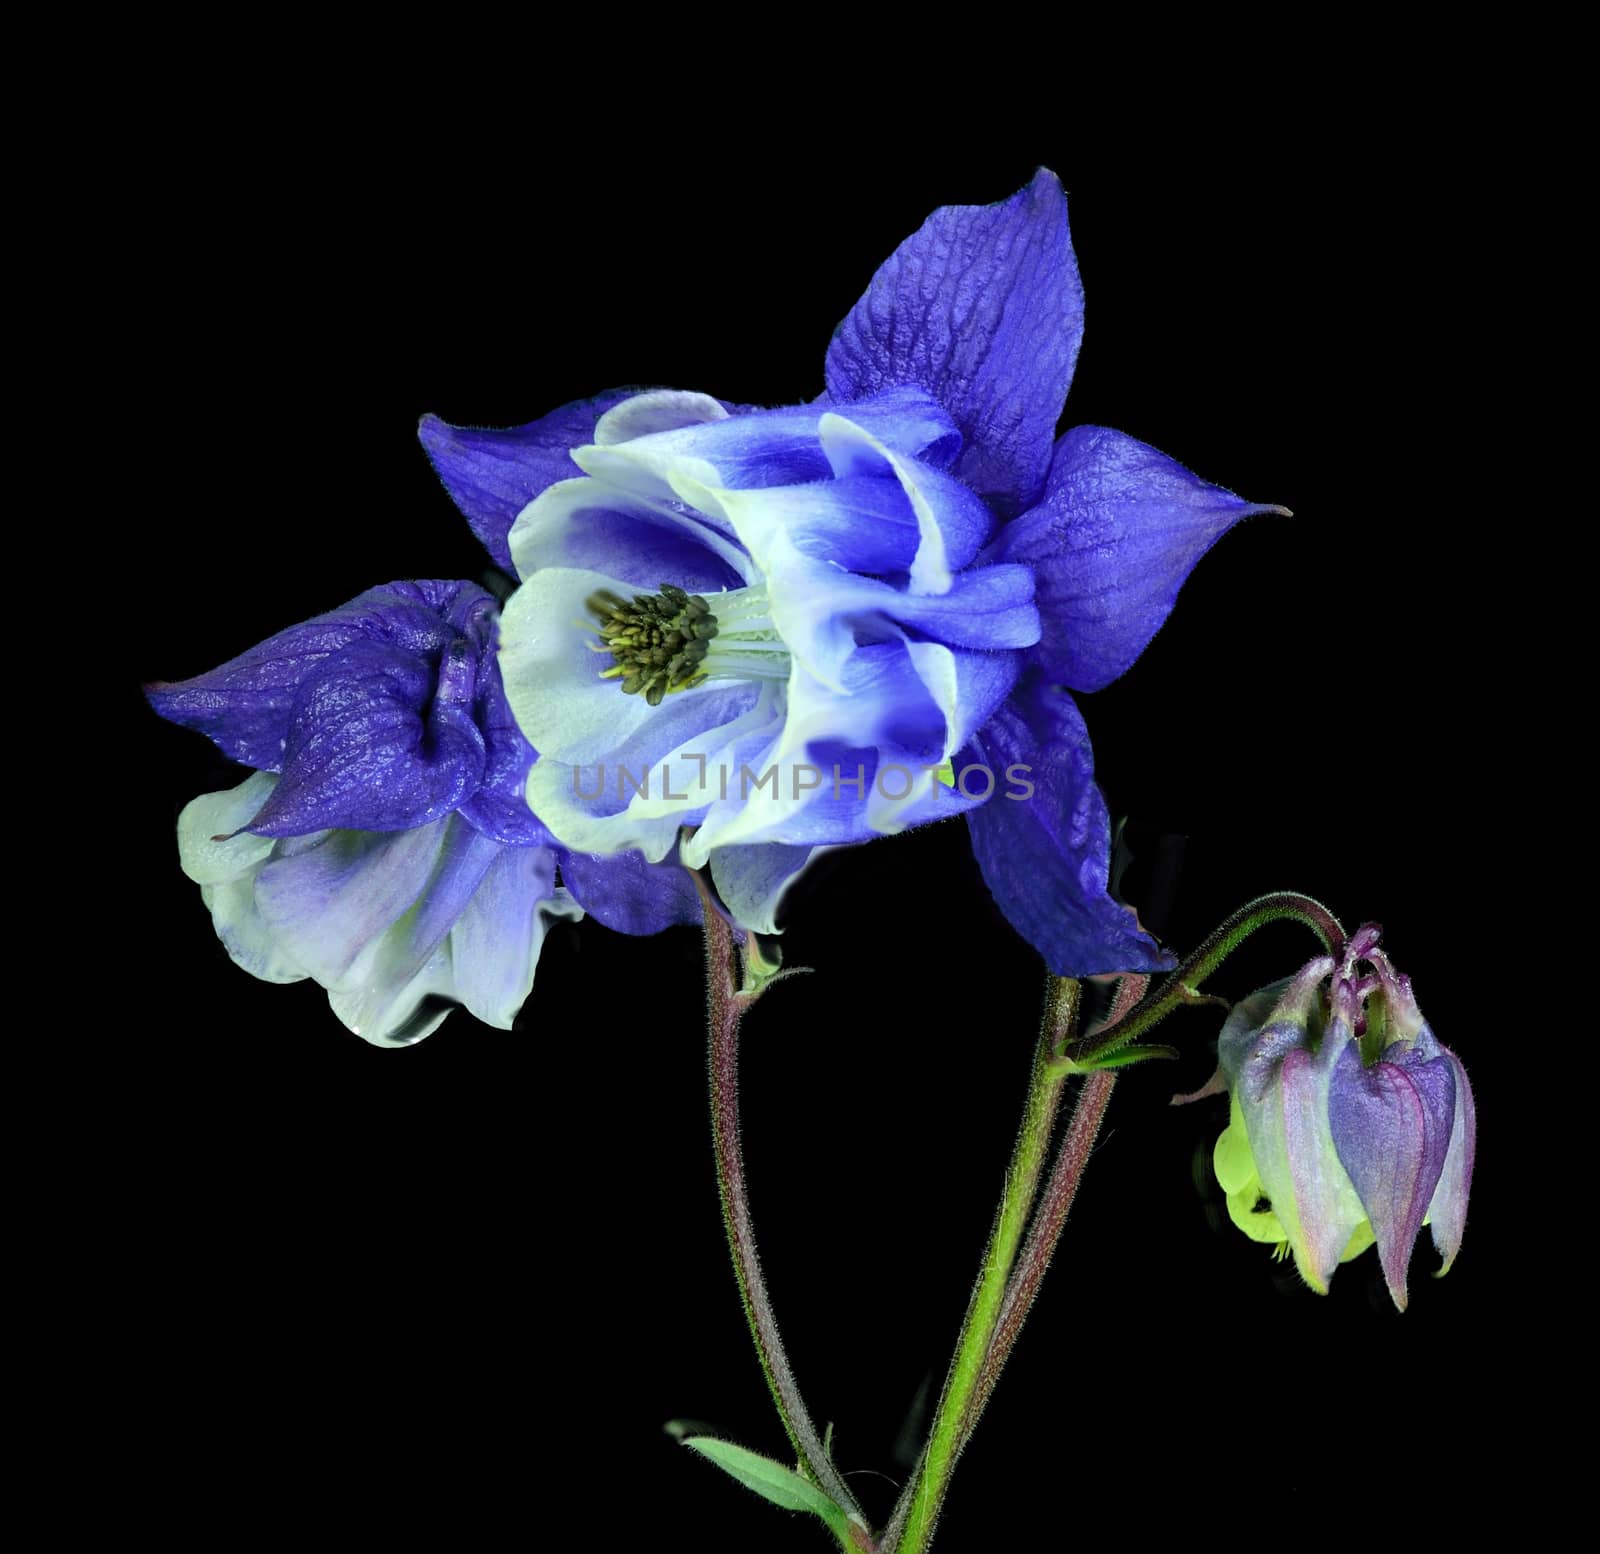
<point x="628" y="893"/>
<point x="499" y="808"/>
<point x="1282" y="1087"/>
<point x="1046" y="857"/>
<point x="245" y="705"/>
<point x="1112" y="540"/>
<point x="1321" y="1210"/>
<point x="492" y="474"/>
<point x="377" y="742"/>
<point x="1391" y="1125"/>
<point x="983" y="308"/>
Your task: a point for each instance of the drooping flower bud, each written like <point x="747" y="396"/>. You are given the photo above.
<point x="1350" y="1123"/>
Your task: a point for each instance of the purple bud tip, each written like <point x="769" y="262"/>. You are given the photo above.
<point x="1363" y="943"/>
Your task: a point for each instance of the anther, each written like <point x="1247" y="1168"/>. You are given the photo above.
<point x="658" y="641"/>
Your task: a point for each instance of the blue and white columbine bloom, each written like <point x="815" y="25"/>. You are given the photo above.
<point x="754" y="633"/>
<point x="383" y="846"/>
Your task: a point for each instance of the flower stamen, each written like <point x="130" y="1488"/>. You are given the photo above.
<point x="658" y="640"/>
<point x="663" y="642"/>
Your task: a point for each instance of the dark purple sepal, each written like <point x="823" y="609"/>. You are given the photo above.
<point x="1046" y="858"/>
<point x="1391" y="1125"/>
<point x="499" y="809"/>
<point x="244" y="706"/>
<point x="377" y="742"/>
<point x="629" y="894"/>
<point x="1115" y="535"/>
<point x="982" y="307"/>
<point x="493" y="473"/>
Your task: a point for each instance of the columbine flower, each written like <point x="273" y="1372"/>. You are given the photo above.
<point x="803" y="627"/>
<point x="1349" y="1122"/>
<point x="383" y="846"/>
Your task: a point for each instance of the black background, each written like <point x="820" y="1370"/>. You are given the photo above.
<point x="461" y="1286"/>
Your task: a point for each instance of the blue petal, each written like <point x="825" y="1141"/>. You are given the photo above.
<point x="1118" y="530"/>
<point x="771" y="447"/>
<point x="984" y="681"/>
<point x="492" y="474"/>
<point x="860" y="523"/>
<point x="822" y="610"/>
<point x="1391" y="1126"/>
<point x="1047" y="857"/>
<point x="899" y="717"/>
<point x="499" y="808"/>
<point x="495" y="943"/>
<point x="376" y="743"/>
<point x="397" y="926"/>
<point x="594" y="526"/>
<point x="630" y="894"/>
<point x="987" y="607"/>
<point x="953" y="524"/>
<point x="327" y="899"/>
<point x="245" y="705"/>
<point x="983" y="308"/>
<point x="340" y="908"/>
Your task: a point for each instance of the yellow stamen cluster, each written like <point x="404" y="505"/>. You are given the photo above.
<point x="658" y="640"/>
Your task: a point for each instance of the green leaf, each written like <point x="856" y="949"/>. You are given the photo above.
<point x="1118" y="1057"/>
<point x="772" y="1481"/>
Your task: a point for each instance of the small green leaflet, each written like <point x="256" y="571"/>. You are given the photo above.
<point x="772" y="1481"/>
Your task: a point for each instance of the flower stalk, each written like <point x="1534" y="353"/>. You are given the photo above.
<point x="1083" y="1129"/>
<point x="727" y="1000"/>
<point x="1014" y="1267"/>
<point x="912" y="1526"/>
<point x="1182" y="987"/>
